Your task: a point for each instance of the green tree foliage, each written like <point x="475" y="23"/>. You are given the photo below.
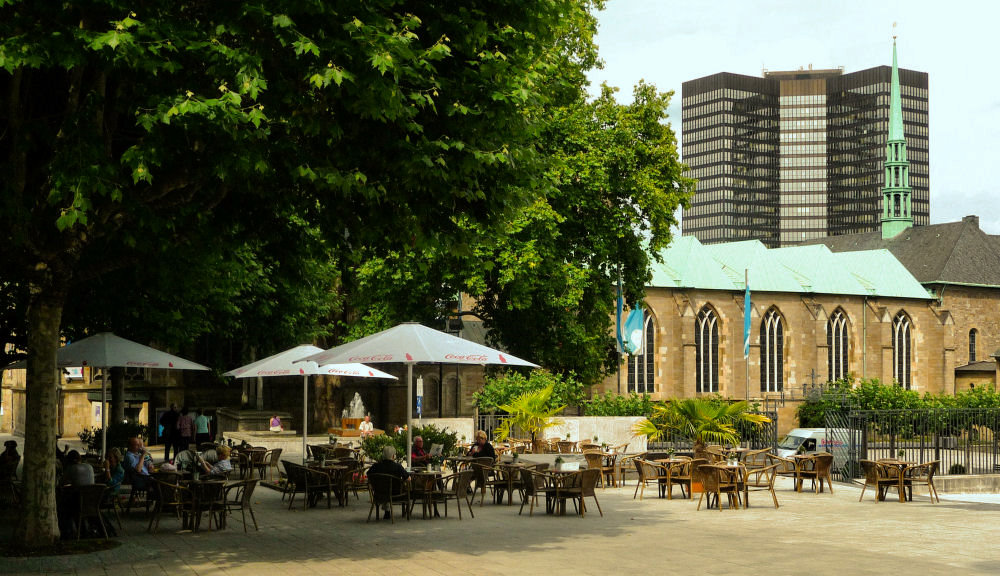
<point x="700" y="420"/>
<point x="505" y="387"/>
<point x="131" y="130"/>
<point x="611" y="404"/>
<point x="372" y="445"/>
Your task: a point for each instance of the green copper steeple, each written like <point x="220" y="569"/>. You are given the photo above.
<point x="896" y="194"/>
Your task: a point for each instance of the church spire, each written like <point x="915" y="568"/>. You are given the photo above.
<point x="896" y="194"/>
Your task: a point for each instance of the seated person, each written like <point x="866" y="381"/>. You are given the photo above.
<point x="114" y="471"/>
<point x="366" y="428"/>
<point x="9" y="459"/>
<point x="222" y="467"/>
<point x="388" y="465"/>
<point x="276" y="424"/>
<point x="76" y="472"/>
<point x="138" y="464"/>
<point x="418" y="455"/>
<point x="482" y="448"/>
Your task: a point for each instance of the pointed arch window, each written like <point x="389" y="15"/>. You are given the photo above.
<point x="772" y="352"/>
<point x="901" y="351"/>
<point x="707" y="350"/>
<point x="837" y="345"/>
<point x="972" y="346"/>
<point x="641" y="366"/>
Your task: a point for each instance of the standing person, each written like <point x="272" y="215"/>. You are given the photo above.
<point x="9" y="460"/>
<point x="202" y="428"/>
<point x="185" y="430"/>
<point x="168" y="420"/>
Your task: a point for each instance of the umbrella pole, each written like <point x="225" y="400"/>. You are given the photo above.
<point x="409" y="413"/>
<point x="104" y="411"/>
<point x="305" y="408"/>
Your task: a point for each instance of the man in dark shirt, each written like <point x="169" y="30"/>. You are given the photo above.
<point x="388" y="465"/>
<point x="169" y="423"/>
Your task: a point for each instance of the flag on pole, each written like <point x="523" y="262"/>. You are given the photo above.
<point x="632" y="340"/>
<point x="618" y="318"/>
<point x="746" y="316"/>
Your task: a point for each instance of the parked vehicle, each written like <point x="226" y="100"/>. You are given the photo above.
<point x="832" y="440"/>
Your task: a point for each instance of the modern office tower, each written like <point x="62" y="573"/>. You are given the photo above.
<point x="798" y="155"/>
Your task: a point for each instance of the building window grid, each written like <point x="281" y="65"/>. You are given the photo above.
<point x="972" y="346"/>
<point x="641" y="367"/>
<point x="901" y="350"/>
<point x="772" y="352"/>
<point x="707" y="350"/>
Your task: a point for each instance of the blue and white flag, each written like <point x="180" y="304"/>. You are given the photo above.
<point x="632" y="336"/>
<point x="746" y="318"/>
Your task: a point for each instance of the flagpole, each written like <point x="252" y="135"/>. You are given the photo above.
<point x="746" y="322"/>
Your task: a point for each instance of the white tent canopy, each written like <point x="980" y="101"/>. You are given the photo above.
<point x="106" y="350"/>
<point x="288" y="363"/>
<point x="411" y="343"/>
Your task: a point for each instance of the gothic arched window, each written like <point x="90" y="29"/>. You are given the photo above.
<point x="901" y="351"/>
<point x="641" y="367"/>
<point x="837" y="345"/>
<point x="972" y="346"/>
<point x="707" y="350"/>
<point x="772" y="352"/>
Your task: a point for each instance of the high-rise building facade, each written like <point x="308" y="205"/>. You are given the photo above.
<point x="798" y="155"/>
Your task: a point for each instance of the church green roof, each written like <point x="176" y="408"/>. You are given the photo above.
<point x="687" y="263"/>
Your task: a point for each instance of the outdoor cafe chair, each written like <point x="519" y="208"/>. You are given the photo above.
<point x="595" y="461"/>
<point x="681" y="474"/>
<point x="625" y="464"/>
<point x="271" y="459"/>
<point x="566" y="446"/>
<point x="87" y="503"/>
<point x="385" y="491"/>
<point x="456" y="487"/>
<point x="879" y="477"/>
<point x="759" y="480"/>
<point x="534" y="483"/>
<point x="817" y="469"/>
<point x="172" y="499"/>
<point x="487" y="478"/>
<point x="582" y="489"/>
<point x="718" y="481"/>
<point x="239" y="496"/>
<point x="786" y="466"/>
<point x="757" y="458"/>
<point x="649" y="473"/>
<point x="921" y="474"/>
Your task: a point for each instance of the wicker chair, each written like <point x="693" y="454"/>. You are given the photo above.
<point x="921" y="474"/>
<point x="760" y="480"/>
<point x="385" y="491"/>
<point x="240" y="497"/>
<point x="757" y="458"/>
<point x="585" y="446"/>
<point x="786" y="466"/>
<point x="487" y="478"/>
<point x="717" y="481"/>
<point x="171" y="499"/>
<point x="566" y="446"/>
<point x="595" y="461"/>
<point x="879" y="477"/>
<point x="650" y="473"/>
<point x="682" y="474"/>
<point x="534" y="483"/>
<point x="271" y="459"/>
<point x="87" y="500"/>
<point x="456" y="487"/>
<point x="583" y="489"/>
<point x="817" y="469"/>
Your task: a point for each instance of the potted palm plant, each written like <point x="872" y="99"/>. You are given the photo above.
<point x="532" y="414"/>
<point x="698" y="420"/>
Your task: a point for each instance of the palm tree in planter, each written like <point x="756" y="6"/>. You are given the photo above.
<point x="531" y="414"/>
<point x="700" y="421"/>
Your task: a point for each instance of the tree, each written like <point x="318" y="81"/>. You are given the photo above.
<point x="504" y="388"/>
<point x="699" y="420"/>
<point x="125" y="133"/>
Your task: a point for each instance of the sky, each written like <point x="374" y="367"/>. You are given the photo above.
<point x="667" y="42"/>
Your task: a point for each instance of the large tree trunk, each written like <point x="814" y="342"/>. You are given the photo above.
<point x="38" y="525"/>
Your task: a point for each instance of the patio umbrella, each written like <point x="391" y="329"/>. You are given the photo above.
<point x="286" y="364"/>
<point x="106" y="350"/>
<point x="411" y="343"/>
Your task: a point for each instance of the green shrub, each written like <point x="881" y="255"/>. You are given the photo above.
<point x="118" y="435"/>
<point x="506" y="387"/>
<point x="611" y="404"/>
<point x="372" y="445"/>
<point x="956" y="469"/>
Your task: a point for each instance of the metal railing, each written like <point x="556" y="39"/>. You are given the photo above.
<point x="965" y="441"/>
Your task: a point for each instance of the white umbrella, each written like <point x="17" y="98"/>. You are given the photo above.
<point x="411" y="343"/>
<point x="287" y="364"/>
<point x="105" y="350"/>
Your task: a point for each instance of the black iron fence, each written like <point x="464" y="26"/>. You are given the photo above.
<point x="964" y="441"/>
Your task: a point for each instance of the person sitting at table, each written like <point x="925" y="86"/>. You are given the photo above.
<point x="388" y="465"/>
<point x="114" y="472"/>
<point x="276" y="424"/>
<point x="482" y="448"/>
<point x="77" y="473"/>
<point x="138" y="464"/>
<point x="366" y="428"/>
<point x="418" y="455"/>
<point x="222" y="467"/>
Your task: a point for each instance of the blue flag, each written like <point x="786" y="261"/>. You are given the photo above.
<point x="632" y="336"/>
<point x="746" y="319"/>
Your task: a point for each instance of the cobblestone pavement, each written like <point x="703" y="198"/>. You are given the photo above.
<point x="810" y="533"/>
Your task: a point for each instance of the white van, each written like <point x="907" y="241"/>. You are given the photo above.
<point x="816" y="440"/>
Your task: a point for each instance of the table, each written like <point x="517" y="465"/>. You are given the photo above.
<point x="335" y="473"/>
<point x="899" y="466"/>
<point x="512" y="470"/>
<point x="424" y="482"/>
<point x="560" y="480"/>
<point x="457" y="461"/>
<point x="669" y="465"/>
<point x="738" y="452"/>
<point x="800" y="461"/>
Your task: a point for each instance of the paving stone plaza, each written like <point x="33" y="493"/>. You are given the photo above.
<point x="810" y="533"/>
